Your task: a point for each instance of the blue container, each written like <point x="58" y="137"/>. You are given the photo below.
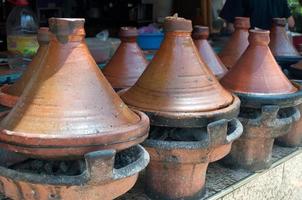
<point x="150" y="41"/>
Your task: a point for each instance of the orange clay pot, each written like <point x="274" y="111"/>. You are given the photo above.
<point x="128" y="63"/>
<point x="68" y="108"/>
<point x="200" y="35"/>
<point x="237" y="43"/>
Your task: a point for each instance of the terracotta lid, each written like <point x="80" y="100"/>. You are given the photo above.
<point x="68" y="107"/>
<point x="128" y="62"/>
<point x="177" y="81"/>
<point x="43" y="38"/>
<point x="200" y="35"/>
<point x="280" y="44"/>
<point x="237" y="43"/>
<point x="257" y="72"/>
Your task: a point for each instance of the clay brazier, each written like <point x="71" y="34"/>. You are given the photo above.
<point x="10" y="93"/>
<point x="200" y="36"/>
<point x="268" y="101"/>
<point x="68" y="108"/>
<point x="193" y="117"/>
<point x="237" y="43"/>
<point x="128" y="62"/>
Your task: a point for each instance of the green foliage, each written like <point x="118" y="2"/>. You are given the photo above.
<point x="295" y="7"/>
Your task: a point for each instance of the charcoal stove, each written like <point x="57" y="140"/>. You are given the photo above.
<point x="268" y="101"/>
<point x="104" y="174"/>
<point x="193" y="118"/>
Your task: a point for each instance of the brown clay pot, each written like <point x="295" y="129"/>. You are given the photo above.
<point x="237" y="43"/>
<point x="200" y="36"/>
<point x="10" y="93"/>
<point x="280" y="44"/>
<point x="68" y="107"/>
<point x="178" y="168"/>
<point x="257" y="71"/>
<point x="268" y="103"/>
<point x="128" y="62"/>
<point x="177" y="88"/>
<point x="99" y="180"/>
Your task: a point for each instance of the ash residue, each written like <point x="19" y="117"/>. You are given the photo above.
<point x="177" y="134"/>
<point x="125" y="157"/>
<point x="49" y="167"/>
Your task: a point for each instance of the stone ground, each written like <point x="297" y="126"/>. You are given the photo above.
<point x="218" y="178"/>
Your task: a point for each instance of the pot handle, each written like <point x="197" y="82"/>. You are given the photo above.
<point x="284" y="125"/>
<point x="135" y="167"/>
<point x="224" y="131"/>
<point x="100" y="165"/>
<point x="234" y="134"/>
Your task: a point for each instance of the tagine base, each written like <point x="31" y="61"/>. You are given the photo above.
<point x="101" y="175"/>
<point x="279" y="181"/>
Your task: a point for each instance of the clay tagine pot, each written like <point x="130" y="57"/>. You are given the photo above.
<point x="268" y="101"/>
<point x="280" y="45"/>
<point x="68" y="108"/>
<point x="10" y="93"/>
<point x="128" y="62"/>
<point x="200" y="36"/>
<point x="237" y="43"/>
<point x="193" y="117"/>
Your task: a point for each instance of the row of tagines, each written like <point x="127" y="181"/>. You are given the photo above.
<point x="185" y="107"/>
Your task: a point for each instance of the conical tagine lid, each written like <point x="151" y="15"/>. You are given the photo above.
<point x="257" y="72"/>
<point x="128" y="63"/>
<point x="177" y="82"/>
<point x="200" y="35"/>
<point x="68" y="107"/>
<point x="237" y="43"/>
<point x="280" y="44"/>
<point x="10" y="95"/>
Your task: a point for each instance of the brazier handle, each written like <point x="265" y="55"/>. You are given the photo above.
<point x="133" y="168"/>
<point x="224" y="131"/>
<point x="235" y="133"/>
<point x="284" y="124"/>
<point x="100" y="165"/>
